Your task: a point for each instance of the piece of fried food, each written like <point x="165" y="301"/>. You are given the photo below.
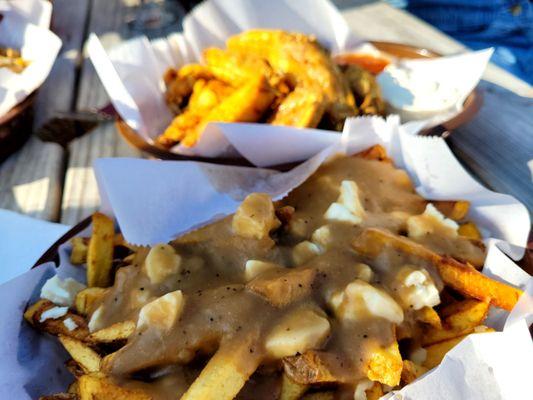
<point x="385" y="365"/>
<point x="87" y="298"/>
<point x="180" y="84"/>
<point x="98" y="387"/>
<point x="412" y="371"/>
<point x="366" y="90"/>
<point x="462" y="318"/>
<point x="246" y="104"/>
<point x="88" y="359"/>
<point x="68" y="324"/>
<point x="304" y="60"/>
<point x="234" y="67"/>
<point x="206" y="95"/>
<point x="461" y="277"/>
<point x="302" y="108"/>
<point x="291" y="390"/>
<point x="225" y="374"/>
<point x="469" y="230"/>
<point x="114" y="333"/>
<point x="100" y="252"/>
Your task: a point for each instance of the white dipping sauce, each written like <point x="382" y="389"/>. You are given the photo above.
<point x="416" y="94"/>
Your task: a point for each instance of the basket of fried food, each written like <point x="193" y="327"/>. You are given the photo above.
<point x="350" y="287"/>
<point x="269" y="76"/>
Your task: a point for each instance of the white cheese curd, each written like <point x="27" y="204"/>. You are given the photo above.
<point x="416" y="94"/>
<point x="418" y="355"/>
<point x="298" y="227"/>
<point x="322" y="236"/>
<point x="431" y="221"/>
<point x="254" y="268"/>
<point x="361" y="388"/>
<point x="348" y="207"/>
<point x="61" y="291"/>
<point x="363" y="272"/>
<point x="339" y="212"/>
<point x="95" y="322"/>
<point x="360" y="299"/>
<point x="70" y="324"/>
<point x="349" y="197"/>
<point x="161" y="262"/>
<point x="255" y="217"/>
<point x="302" y="330"/>
<point x="162" y="312"/>
<point x="416" y="289"/>
<point x="53" y="313"/>
<point x="305" y="251"/>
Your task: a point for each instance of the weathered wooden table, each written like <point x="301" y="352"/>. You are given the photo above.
<point x="50" y="182"/>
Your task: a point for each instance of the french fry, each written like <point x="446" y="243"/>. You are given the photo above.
<point x="385" y="365"/>
<point x="464" y="317"/>
<point x="87" y="298"/>
<point x="437" y="351"/>
<point x="473" y="283"/>
<point x="429" y="316"/>
<point x="73" y="388"/>
<point x="376" y="152"/>
<point x="74" y="368"/>
<point x="375" y="392"/>
<point x="116" y="332"/>
<point x="98" y="387"/>
<point x="411" y="371"/>
<point x="461" y="277"/>
<point x="233" y="67"/>
<point x="78" y="255"/>
<point x="88" y="359"/>
<point x="313" y="367"/>
<point x="247" y="104"/>
<point x="291" y="390"/>
<point x="224" y="375"/>
<point x="100" y="252"/>
<point x="469" y="230"/>
<point x="56" y="326"/>
<point x="455" y="210"/>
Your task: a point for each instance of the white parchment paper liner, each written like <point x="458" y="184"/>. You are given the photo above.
<point x="153" y="201"/>
<point x="25" y="27"/>
<point x="132" y="71"/>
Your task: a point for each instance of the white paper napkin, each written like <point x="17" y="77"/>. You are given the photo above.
<point x="36" y="12"/>
<point x="23" y="241"/>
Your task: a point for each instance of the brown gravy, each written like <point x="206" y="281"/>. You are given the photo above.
<point x="219" y="310"/>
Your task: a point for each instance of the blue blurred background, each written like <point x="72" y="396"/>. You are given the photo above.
<point x="506" y="25"/>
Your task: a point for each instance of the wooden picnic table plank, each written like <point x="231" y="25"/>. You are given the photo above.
<point x="113" y="22"/>
<point x="31" y="180"/>
<point x="497" y="144"/>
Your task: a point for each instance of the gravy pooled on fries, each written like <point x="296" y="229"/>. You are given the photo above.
<point x="349" y="287"/>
